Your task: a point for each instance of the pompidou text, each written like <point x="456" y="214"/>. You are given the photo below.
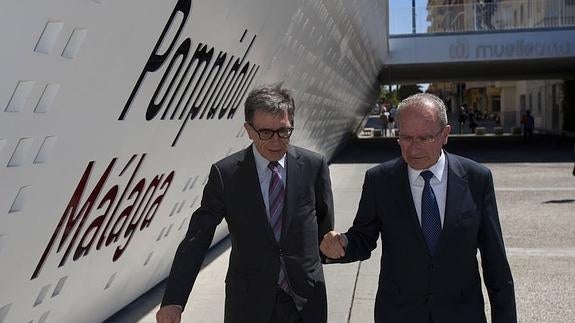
<point x="197" y="83"/>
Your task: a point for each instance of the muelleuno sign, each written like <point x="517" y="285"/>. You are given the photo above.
<point x="508" y="45"/>
<point x="462" y="48"/>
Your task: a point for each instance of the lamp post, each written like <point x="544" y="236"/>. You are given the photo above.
<point x="413" y="16"/>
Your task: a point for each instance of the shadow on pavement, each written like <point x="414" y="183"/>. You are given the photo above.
<point x="559" y="201"/>
<point x="483" y="149"/>
<point x="146" y="303"/>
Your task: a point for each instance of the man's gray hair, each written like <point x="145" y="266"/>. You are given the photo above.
<point x="424" y="100"/>
<point x="270" y="98"/>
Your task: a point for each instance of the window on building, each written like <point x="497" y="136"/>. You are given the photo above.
<point x="496" y="103"/>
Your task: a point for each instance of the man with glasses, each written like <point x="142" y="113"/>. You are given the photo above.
<point x="434" y="211"/>
<point x="277" y="201"/>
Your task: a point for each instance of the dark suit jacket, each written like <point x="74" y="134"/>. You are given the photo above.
<point x="233" y="192"/>
<point x="413" y="286"/>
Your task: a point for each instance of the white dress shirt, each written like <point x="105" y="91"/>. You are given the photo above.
<point x="438" y="184"/>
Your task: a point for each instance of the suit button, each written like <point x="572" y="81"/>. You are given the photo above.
<point x="281" y="252"/>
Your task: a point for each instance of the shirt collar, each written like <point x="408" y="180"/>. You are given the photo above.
<point x="262" y="163"/>
<point x="438" y="170"/>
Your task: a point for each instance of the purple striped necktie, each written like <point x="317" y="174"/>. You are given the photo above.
<point x="276" y="207"/>
<point x="276" y="202"/>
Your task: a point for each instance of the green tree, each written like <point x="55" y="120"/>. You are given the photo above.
<point x="407" y="89"/>
<point x="388" y="94"/>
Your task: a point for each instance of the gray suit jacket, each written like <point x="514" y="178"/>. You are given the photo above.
<point x="413" y="286"/>
<point x="233" y="193"/>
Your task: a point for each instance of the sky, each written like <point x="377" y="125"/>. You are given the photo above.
<point x="400" y="16"/>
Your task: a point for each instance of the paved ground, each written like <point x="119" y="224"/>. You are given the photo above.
<point x="536" y="197"/>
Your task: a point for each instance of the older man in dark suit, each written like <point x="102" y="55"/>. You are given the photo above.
<point x="277" y="202"/>
<point x="433" y="211"/>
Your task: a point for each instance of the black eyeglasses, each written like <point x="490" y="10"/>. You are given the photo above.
<point x="267" y="134"/>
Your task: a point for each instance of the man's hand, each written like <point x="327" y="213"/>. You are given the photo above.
<point x="169" y="314"/>
<point x="333" y="245"/>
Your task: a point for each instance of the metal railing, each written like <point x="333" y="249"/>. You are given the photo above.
<point x="481" y="16"/>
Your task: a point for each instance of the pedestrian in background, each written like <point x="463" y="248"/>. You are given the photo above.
<point x="528" y="123"/>
<point x="462" y="118"/>
<point x="384" y="119"/>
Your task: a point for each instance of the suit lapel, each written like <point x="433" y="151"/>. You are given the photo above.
<point x="456" y="189"/>
<point x="457" y="196"/>
<point x="293" y="179"/>
<point x="254" y="202"/>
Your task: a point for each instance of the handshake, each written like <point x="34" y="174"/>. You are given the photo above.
<point x="333" y="245"/>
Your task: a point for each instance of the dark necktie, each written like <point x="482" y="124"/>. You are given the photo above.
<point x="430" y="220"/>
<point x="276" y="205"/>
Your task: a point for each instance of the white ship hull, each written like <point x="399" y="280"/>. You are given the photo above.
<point x="111" y="113"/>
